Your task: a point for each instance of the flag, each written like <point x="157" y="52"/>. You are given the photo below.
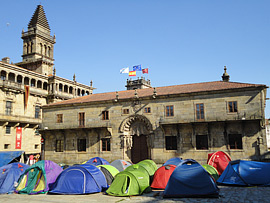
<point x="132" y="73"/>
<point x="145" y="70"/>
<point x="137" y="68"/>
<point x="124" y="70"/>
<point x="26" y="95"/>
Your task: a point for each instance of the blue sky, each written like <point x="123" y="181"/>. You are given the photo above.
<point x="179" y="41"/>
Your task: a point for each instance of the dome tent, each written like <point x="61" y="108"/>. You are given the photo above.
<point x="79" y="179"/>
<point x="162" y="176"/>
<point x="173" y="161"/>
<point x="9" y="174"/>
<point x="219" y="160"/>
<point x="121" y="164"/>
<point x="97" y="161"/>
<point x="109" y="172"/>
<point x="211" y="170"/>
<point x="190" y="179"/>
<point x="37" y="178"/>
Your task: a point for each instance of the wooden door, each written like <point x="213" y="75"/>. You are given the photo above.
<point x="139" y="150"/>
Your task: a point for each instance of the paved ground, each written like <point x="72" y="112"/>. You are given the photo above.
<point x="227" y="194"/>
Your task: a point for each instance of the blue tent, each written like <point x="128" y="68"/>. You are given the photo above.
<point x="190" y="179"/>
<point x="173" y="161"/>
<point x="97" y="161"/>
<point x="246" y="173"/>
<point x="79" y="179"/>
<point x="10" y="174"/>
<point x="7" y="157"/>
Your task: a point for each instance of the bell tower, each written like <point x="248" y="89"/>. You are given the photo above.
<point x="38" y="44"/>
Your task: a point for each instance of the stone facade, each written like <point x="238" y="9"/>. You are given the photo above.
<point x="188" y="121"/>
<point x="30" y="84"/>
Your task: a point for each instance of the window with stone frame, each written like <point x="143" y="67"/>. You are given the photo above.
<point x="200" y="111"/>
<point x="6" y="146"/>
<point x="106" y="144"/>
<point x="232" y="105"/>
<point x="59" y="118"/>
<point x="81" y="145"/>
<point x="235" y="141"/>
<point x="105" y="115"/>
<point x="202" y="142"/>
<point x="8" y="107"/>
<point x="125" y="111"/>
<point x="147" y="110"/>
<point x="59" y="146"/>
<point x="171" y="142"/>
<point x="8" y="129"/>
<point x="169" y="111"/>
<point x="37" y="111"/>
<point x="81" y="119"/>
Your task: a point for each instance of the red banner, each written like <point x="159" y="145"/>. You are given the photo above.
<point x="26" y="95"/>
<point x="18" y="138"/>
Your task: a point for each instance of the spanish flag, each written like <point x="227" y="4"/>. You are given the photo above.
<point x="132" y="73"/>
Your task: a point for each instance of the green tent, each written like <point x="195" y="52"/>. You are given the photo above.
<point x="132" y="182"/>
<point x="211" y="170"/>
<point x="109" y="172"/>
<point x="149" y="165"/>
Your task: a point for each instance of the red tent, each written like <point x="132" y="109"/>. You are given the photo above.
<point x="161" y="176"/>
<point x="219" y="160"/>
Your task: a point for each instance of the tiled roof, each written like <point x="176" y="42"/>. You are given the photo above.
<point x="39" y="18"/>
<point x="161" y="91"/>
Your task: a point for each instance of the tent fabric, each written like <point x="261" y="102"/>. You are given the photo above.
<point x="190" y="179"/>
<point x="173" y="161"/>
<point x="219" y="160"/>
<point x="211" y="170"/>
<point x="9" y="175"/>
<point x="109" y="172"/>
<point x="246" y="173"/>
<point x="37" y="178"/>
<point x="149" y="165"/>
<point x="162" y="176"/>
<point x="7" y="157"/>
<point x="134" y="181"/>
<point x="79" y="179"/>
<point x="121" y="164"/>
<point x="97" y="161"/>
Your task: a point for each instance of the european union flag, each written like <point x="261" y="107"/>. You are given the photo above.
<point x="137" y="68"/>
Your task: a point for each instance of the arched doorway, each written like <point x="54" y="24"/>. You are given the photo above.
<point x="137" y="131"/>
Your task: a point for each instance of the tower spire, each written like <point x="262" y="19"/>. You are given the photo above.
<point x="225" y="76"/>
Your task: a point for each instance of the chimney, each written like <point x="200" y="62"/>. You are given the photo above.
<point x="225" y="76"/>
<point x="6" y="60"/>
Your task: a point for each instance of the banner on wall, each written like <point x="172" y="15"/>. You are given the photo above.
<point x="18" y="138"/>
<point x="26" y="95"/>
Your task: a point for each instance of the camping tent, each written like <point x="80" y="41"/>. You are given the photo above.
<point x="150" y="167"/>
<point x="173" y="161"/>
<point x="7" y="157"/>
<point x="97" y="161"/>
<point x="121" y="164"/>
<point x="211" y="170"/>
<point x="10" y="174"/>
<point x="37" y="178"/>
<point x="109" y="172"/>
<point x="79" y="179"/>
<point x="246" y="173"/>
<point x="161" y="176"/>
<point x="219" y="160"/>
<point x="190" y="179"/>
<point x="132" y="182"/>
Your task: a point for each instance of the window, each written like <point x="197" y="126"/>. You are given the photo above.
<point x="147" y="110"/>
<point x="125" y="111"/>
<point x="6" y="146"/>
<point x="59" y="118"/>
<point x="106" y="144"/>
<point x="171" y="142"/>
<point x="199" y="111"/>
<point x="81" y="119"/>
<point x="8" y="129"/>
<point x="235" y="141"/>
<point x="37" y="111"/>
<point x="59" y="146"/>
<point x="233" y="107"/>
<point x="36" y="146"/>
<point x="169" y="111"/>
<point x="8" y="107"/>
<point x="81" y="144"/>
<point x="105" y="115"/>
<point x="201" y="142"/>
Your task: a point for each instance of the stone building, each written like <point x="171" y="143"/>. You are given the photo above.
<point x="187" y="121"/>
<point x="30" y="84"/>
